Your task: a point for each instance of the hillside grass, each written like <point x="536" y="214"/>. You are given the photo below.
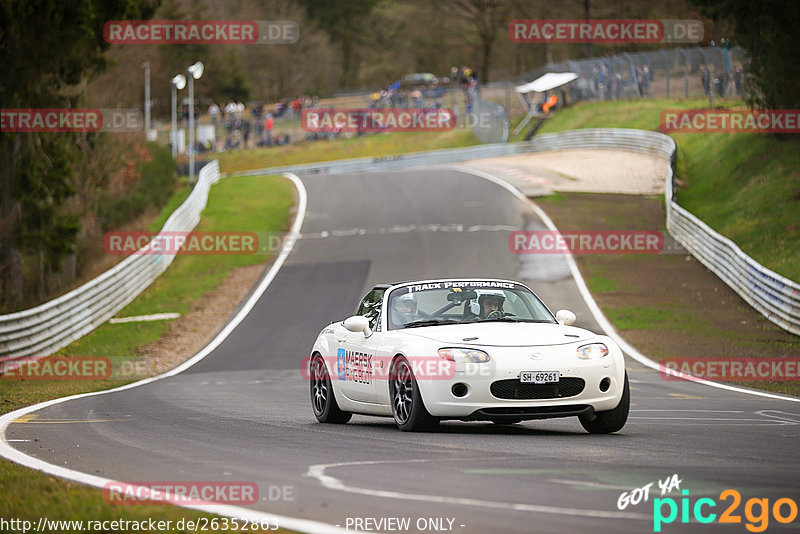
<point x="746" y="186"/>
<point x="371" y="145"/>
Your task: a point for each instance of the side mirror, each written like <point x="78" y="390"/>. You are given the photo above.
<point x="358" y="323"/>
<point x="565" y="317"/>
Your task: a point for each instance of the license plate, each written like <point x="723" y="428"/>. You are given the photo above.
<point x="539" y="377"/>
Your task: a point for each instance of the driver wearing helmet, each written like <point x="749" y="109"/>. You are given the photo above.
<point x="404" y="309"/>
<point x="491" y="304"/>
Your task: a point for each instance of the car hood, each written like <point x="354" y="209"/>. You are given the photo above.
<point x="502" y="334"/>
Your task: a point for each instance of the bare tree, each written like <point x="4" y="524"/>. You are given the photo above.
<point x="489" y="17"/>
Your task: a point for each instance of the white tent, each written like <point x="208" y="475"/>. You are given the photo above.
<point x="546" y="82"/>
<point x="549" y="81"/>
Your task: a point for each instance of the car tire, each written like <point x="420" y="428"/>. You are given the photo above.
<point x="323" y="400"/>
<point x="611" y="420"/>
<point x="408" y="409"/>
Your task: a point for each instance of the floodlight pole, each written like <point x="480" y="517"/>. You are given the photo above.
<point x="191" y="129"/>
<point x="174" y="142"/>
<point x="195" y="71"/>
<point x="146" y="66"/>
<point x="178" y="82"/>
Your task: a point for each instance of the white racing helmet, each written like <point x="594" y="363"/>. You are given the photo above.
<point x="484" y="294"/>
<point x="404" y="308"/>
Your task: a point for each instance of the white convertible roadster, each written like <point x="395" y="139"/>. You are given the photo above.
<point x="471" y="349"/>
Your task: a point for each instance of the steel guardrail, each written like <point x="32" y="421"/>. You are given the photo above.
<point x="44" y="329"/>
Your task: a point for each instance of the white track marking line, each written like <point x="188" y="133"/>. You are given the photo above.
<point x="144" y="318"/>
<point x="792" y="419"/>
<point x="319" y="472"/>
<point x="764" y="421"/>
<point x="588" y="484"/>
<point x="601" y="319"/>
<point x="712" y="411"/>
<point x="291" y="523"/>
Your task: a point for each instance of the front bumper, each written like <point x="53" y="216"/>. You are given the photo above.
<point x="534" y="412"/>
<point x="474" y="398"/>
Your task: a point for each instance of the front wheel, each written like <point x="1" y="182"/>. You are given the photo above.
<point x="408" y="409"/>
<point x="322" y="399"/>
<point x="611" y="420"/>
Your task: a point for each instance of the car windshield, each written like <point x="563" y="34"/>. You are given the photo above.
<point x="464" y="301"/>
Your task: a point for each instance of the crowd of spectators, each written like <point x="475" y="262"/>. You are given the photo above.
<point x="605" y="86"/>
<point x="239" y="126"/>
<point x="720" y="82"/>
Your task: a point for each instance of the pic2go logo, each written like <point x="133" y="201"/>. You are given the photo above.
<point x="758" y="521"/>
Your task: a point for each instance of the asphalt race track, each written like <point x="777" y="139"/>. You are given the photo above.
<point x="243" y="413"/>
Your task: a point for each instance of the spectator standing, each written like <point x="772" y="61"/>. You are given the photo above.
<point x="246" y="132"/>
<point x="737" y="80"/>
<point x="644" y="82"/>
<point x="601" y="81"/>
<point x="416" y="98"/>
<point x="706" y="81"/>
<point x="268" y="124"/>
<point x="213" y="111"/>
<point x="258" y="119"/>
<point x="230" y="112"/>
<point x="280" y="109"/>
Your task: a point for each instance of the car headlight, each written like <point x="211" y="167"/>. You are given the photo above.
<point x="469" y="355"/>
<point x="594" y="351"/>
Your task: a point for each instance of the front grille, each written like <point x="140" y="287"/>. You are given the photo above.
<point x="514" y="389"/>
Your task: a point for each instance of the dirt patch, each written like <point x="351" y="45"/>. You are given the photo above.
<point x="595" y="171"/>
<point x="666" y="305"/>
<point x="192" y="331"/>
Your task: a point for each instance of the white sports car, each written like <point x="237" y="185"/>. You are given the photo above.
<point x="468" y="349"/>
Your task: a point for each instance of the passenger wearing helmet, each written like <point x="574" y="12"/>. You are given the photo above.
<point x="404" y="309"/>
<point x="491" y="304"/>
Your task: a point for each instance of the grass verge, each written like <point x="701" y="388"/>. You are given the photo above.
<point x="746" y="186"/>
<point x="668" y="305"/>
<point x="372" y="145"/>
<point x="242" y="204"/>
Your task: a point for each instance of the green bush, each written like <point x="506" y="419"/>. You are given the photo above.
<point x="157" y="181"/>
